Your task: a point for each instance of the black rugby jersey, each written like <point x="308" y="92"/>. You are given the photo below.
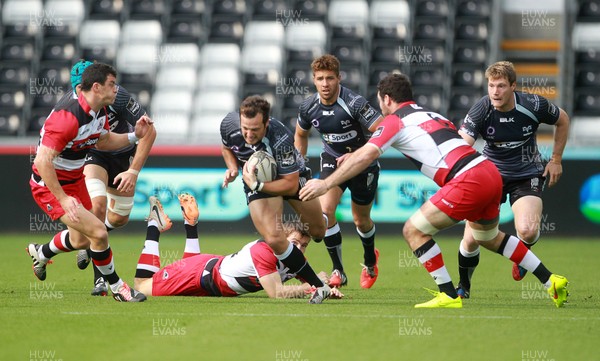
<point x="344" y="125"/>
<point x="278" y="141"/>
<point x="122" y="115"/>
<point x="510" y="137"/>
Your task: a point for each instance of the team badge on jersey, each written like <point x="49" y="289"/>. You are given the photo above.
<point x="368" y="112"/>
<point x="377" y="132"/>
<point x="133" y="106"/>
<point x="165" y="275"/>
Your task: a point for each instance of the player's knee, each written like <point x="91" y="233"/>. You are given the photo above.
<point x="364" y="224"/>
<point x="117" y="220"/>
<point x="528" y="234"/>
<point x="120" y="205"/>
<point x="317" y="231"/>
<point x="485" y="235"/>
<point x="96" y="188"/>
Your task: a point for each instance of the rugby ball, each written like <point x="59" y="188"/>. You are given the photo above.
<point x="265" y="166"/>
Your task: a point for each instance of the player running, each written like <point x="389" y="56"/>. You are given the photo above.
<point x="252" y="130"/>
<point x="345" y="121"/>
<point x="74" y="126"/>
<point x="251" y="269"/>
<point x="111" y="176"/>
<point x="471" y="188"/>
<point x="508" y="121"/>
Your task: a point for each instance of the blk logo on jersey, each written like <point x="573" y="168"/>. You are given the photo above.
<point x="328" y="112"/>
<point x="507" y="120"/>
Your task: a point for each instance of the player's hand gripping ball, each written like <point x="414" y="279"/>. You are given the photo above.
<point x="265" y="166"/>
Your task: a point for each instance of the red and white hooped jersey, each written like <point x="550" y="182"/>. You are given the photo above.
<point x="428" y="139"/>
<point x="72" y="128"/>
<point x="240" y="271"/>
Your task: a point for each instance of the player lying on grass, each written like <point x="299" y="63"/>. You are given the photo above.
<point x="251" y="269"/>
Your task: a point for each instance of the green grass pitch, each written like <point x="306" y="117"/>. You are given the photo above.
<point x="504" y="319"/>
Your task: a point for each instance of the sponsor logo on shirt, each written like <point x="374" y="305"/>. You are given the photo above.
<point x="368" y="112"/>
<point x="346" y="123"/>
<point x="340" y="138"/>
<point x="328" y="112"/>
<point x="132" y="106"/>
<point x="507" y="120"/>
<point x="377" y="132"/>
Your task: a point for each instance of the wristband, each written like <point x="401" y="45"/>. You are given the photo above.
<point x="133" y="171"/>
<point x="257" y="186"/>
<point x="132" y="138"/>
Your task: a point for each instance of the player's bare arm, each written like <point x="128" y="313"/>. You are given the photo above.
<point x="375" y="124"/>
<point x="284" y="185"/>
<point x="232" y="166"/>
<point x="114" y="141"/>
<point x="469" y="139"/>
<point x="272" y="285"/>
<point x="45" y="167"/>
<point x="561" y="133"/>
<point x="351" y="167"/>
<point x="127" y="180"/>
<point x="301" y="140"/>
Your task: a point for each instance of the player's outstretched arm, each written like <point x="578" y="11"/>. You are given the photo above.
<point x="272" y="285"/>
<point x="232" y="166"/>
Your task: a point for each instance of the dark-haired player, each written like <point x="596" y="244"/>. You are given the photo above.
<point x="111" y="176"/>
<point x="471" y="188"/>
<point x="247" y="131"/>
<point x="345" y="121"/>
<point x="58" y="185"/>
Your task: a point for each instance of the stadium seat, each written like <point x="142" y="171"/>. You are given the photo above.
<point x="430" y="30"/>
<point x="348" y="20"/>
<point x="229" y="10"/>
<point x="176" y="55"/>
<point x="262" y="58"/>
<point x="301" y="72"/>
<point x="294" y="101"/>
<point x="376" y="73"/>
<point x="36" y="120"/>
<point x="186" y="31"/>
<point x="221" y="102"/>
<point x="424" y="52"/>
<point x="206" y="128"/>
<point x="385" y="54"/>
<point x="264" y="32"/>
<point x="220" y="54"/>
<point x="65" y="18"/>
<point x="269" y="10"/>
<point x="137" y="63"/>
<point x="10" y="121"/>
<point x="140" y="92"/>
<point x="226" y="31"/>
<point x="464" y="99"/>
<point x="471" y="30"/>
<point x="60" y="52"/>
<point x="587" y="102"/>
<point x="427" y="76"/>
<point x="215" y="78"/>
<point x="140" y="32"/>
<point x="473" y="78"/>
<point x="14" y="74"/>
<point x="310" y="10"/>
<point x="351" y="77"/>
<point x="305" y="41"/>
<point x="22" y="51"/>
<point x="146" y="9"/>
<point x="586" y="36"/>
<point x="172" y="128"/>
<point x="431" y="8"/>
<point x="188" y="8"/>
<point x="22" y="18"/>
<point x="12" y="98"/>
<point x="389" y="20"/>
<point x="587" y="56"/>
<point x="584" y="130"/>
<point x="428" y="97"/>
<point x="472" y="53"/>
<point x="262" y="79"/>
<point x="589" y="11"/>
<point x="588" y="77"/>
<point x="176" y="78"/>
<point x="106" y="10"/>
<point x="474" y="8"/>
<point x="351" y="54"/>
<point x="102" y="55"/>
<point x="47" y="99"/>
<point x="167" y="102"/>
<point x="60" y="75"/>
<point x="100" y="34"/>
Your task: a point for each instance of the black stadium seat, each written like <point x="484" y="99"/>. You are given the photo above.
<point x="146" y="9"/>
<point x="186" y="31"/>
<point x="22" y="51"/>
<point x="310" y="9"/>
<point x="431" y="8"/>
<point x="226" y="31"/>
<point x="106" y="10"/>
<point x="473" y="8"/>
<point x="589" y="77"/>
<point x="468" y="78"/>
<point x="269" y="9"/>
<point x="470" y="30"/>
<point x="427" y="76"/>
<point x="188" y="8"/>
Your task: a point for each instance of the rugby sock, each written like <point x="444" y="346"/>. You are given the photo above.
<point x="515" y="250"/>
<point x="59" y="244"/>
<point x="192" y="246"/>
<point x="368" y="241"/>
<point x="467" y="261"/>
<point x="294" y="259"/>
<point x="104" y="261"/>
<point x="333" y="242"/>
<point x="149" y="261"/>
<point x="430" y="256"/>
